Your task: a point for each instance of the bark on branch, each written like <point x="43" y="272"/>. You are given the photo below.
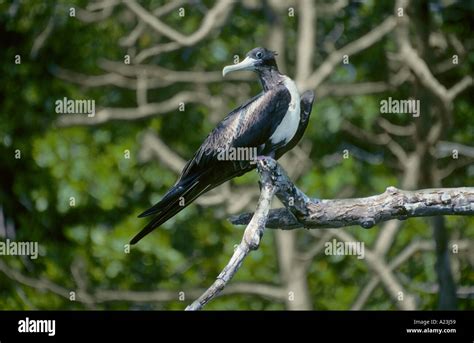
<point x="302" y="211"/>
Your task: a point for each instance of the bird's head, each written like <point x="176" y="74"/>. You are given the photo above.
<point x="257" y="60"/>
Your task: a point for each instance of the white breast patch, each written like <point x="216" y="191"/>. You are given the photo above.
<point x="289" y="125"/>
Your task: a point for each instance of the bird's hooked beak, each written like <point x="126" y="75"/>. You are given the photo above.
<point x="247" y="64"/>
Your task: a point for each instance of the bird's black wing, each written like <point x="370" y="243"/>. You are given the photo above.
<point x="250" y="125"/>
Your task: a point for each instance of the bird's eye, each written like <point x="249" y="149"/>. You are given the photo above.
<point x="259" y="55"/>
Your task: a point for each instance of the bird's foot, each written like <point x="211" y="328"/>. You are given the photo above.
<point x="262" y="159"/>
<point x="258" y="159"/>
<point x="267" y="162"/>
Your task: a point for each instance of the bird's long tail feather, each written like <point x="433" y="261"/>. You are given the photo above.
<point x="170" y="197"/>
<point x="178" y="198"/>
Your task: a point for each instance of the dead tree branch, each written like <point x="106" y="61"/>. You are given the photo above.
<point x="134" y="113"/>
<point x="301" y="211"/>
<point x="325" y="69"/>
<point x="215" y="17"/>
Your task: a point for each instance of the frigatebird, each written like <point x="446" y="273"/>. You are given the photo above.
<point x="272" y="123"/>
